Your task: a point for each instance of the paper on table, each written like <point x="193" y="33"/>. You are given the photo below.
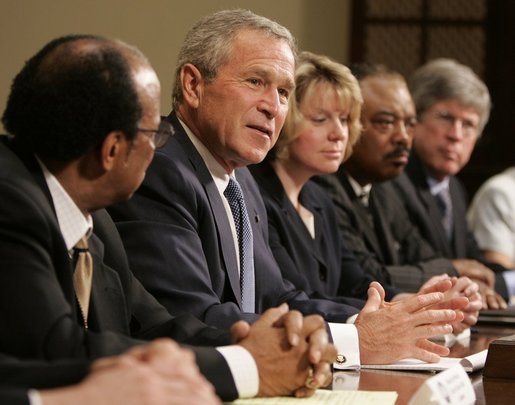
<point x="327" y="397"/>
<point x="470" y="363"/>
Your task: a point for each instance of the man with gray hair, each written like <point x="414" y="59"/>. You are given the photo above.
<point x="453" y="106"/>
<point x="196" y="231"/>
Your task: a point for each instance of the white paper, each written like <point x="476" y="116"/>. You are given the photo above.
<point x="470" y="363"/>
<point x="327" y="397"/>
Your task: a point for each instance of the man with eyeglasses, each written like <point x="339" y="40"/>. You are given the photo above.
<point x="453" y="107"/>
<point x="374" y="227"/>
<point x="84" y="121"/>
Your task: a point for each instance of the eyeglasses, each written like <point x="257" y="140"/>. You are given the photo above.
<point x="447" y="120"/>
<point x="159" y="136"/>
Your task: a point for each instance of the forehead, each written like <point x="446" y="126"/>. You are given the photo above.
<point x="322" y="93"/>
<point x="259" y="49"/>
<point x="386" y="93"/>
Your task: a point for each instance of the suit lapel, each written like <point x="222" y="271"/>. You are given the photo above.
<point x="365" y="218"/>
<point x="216" y="204"/>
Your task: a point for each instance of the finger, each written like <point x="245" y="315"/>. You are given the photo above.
<point x="321" y="375"/>
<point x="318" y="347"/>
<point x="428" y="351"/>
<point x="420" y="301"/>
<point x="452" y="303"/>
<point x="436" y="316"/>
<point x="293" y="322"/>
<point x="374" y="300"/>
<point x="239" y="331"/>
<point x="491" y="300"/>
<point x="273" y="315"/>
<point x="440" y="286"/>
<point x="304" y="392"/>
<point x="377" y="286"/>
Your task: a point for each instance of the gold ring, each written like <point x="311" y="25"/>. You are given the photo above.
<point x="310" y="381"/>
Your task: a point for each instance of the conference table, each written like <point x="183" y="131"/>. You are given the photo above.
<point x="488" y="391"/>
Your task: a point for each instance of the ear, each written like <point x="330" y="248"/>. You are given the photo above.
<point x="115" y="145"/>
<point x="192" y="85"/>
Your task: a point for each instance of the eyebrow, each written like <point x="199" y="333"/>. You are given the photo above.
<point x="267" y="74"/>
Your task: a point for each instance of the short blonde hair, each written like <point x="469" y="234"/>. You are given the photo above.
<point x="311" y="70"/>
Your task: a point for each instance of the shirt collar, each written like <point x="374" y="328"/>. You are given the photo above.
<point x="435" y="186"/>
<point x="362" y="192"/>
<point x="72" y="223"/>
<point x="218" y="173"/>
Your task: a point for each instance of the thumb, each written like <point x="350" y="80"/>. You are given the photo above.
<point x="239" y="331"/>
<point x="373" y="302"/>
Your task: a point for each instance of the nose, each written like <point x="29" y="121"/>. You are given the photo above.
<point x="269" y="104"/>
<point x="455" y="130"/>
<point x="338" y="131"/>
<point x="402" y="133"/>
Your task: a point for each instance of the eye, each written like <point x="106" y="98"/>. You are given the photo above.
<point x="382" y="124"/>
<point x="284" y="94"/>
<point x="344" y="119"/>
<point x="318" y="119"/>
<point x="254" y="81"/>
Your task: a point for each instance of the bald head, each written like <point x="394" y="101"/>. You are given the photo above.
<point x="72" y="93"/>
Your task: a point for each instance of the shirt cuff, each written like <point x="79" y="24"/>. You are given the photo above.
<point x="34" y="397"/>
<point x="243" y="369"/>
<point x="509" y="279"/>
<point x="346" y="340"/>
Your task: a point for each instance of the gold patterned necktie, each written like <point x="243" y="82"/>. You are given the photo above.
<point x="83" y="277"/>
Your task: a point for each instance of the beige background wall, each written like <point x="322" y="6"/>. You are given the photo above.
<point x="157" y="27"/>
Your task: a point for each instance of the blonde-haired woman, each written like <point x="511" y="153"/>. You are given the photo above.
<point x="322" y="125"/>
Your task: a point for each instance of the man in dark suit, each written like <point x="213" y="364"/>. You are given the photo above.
<point x="453" y="106"/>
<point x="371" y="217"/>
<point x="234" y="76"/>
<point x="84" y="115"/>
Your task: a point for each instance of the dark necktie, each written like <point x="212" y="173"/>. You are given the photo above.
<point x="443" y="200"/>
<point x="235" y="199"/>
<point x="83" y="277"/>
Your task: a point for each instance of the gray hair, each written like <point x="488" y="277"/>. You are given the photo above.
<point x="208" y="44"/>
<point x="446" y="79"/>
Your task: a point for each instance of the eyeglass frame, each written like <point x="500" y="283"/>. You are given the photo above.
<point x="448" y="120"/>
<point x="159" y="136"/>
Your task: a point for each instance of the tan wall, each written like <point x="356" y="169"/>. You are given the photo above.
<point x="157" y="27"/>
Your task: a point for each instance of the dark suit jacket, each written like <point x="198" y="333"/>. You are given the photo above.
<point x="38" y="309"/>
<point x="323" y="267"/>
<point x="423" y="210"/>
<point x="177" y="235"/>
<point x="386" y="246"/>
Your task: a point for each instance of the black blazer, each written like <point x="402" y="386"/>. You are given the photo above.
<point x="179" y="242"/>
<point x="382" y="239"/>
<point x="38" y="310"/>
<point x="423" y="210"/>
<point x="323" y="267"/>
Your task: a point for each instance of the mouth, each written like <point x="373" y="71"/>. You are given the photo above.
<point x="262" y="129"/>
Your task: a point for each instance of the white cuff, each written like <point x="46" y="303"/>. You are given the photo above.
<point x="346" y="340"/>
<point x="243" y="368"/>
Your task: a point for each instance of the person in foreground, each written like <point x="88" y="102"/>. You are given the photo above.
<point x="131" y="378"/>
<point x="453" y="106"/>
<point x="321" y="128"/>
<point x="84" y="118"/>
<point x="199" y="249"/>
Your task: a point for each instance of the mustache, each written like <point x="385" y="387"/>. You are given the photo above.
<point x="399" y="150"/>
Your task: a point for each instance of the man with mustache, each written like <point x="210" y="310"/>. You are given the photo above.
<point x="374" y="226"/>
